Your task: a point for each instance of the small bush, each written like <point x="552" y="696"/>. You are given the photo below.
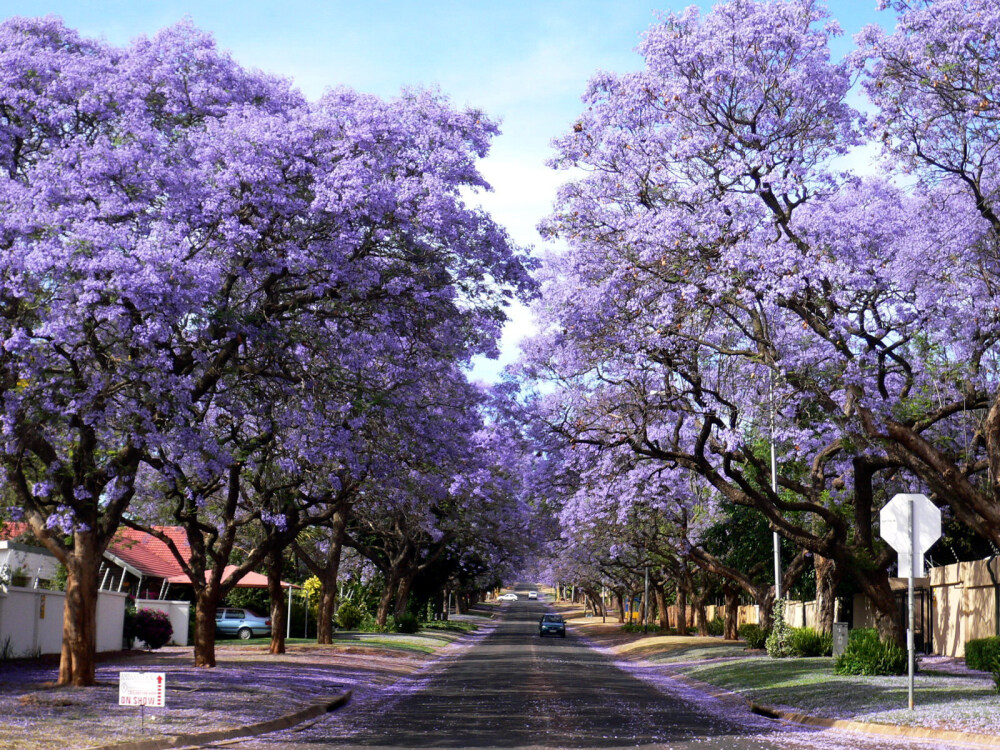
<point x="996" y="675"/>
<point x="349" y="616"/>
<point x="981" y="653"/>
<point x="754" y="635"/>
<point x="867" y="655"/>
<point x="153" y="627"/>
<point x="407" y="623"/>
<point x="717" y="626"/>
<point x="779" y="641"/>
<point x="810" y="642"/>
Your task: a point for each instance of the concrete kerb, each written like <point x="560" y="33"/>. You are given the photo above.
<point x="263" y="727"/>
<point x="844" y="725"/>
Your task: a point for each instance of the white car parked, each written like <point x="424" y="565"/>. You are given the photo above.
<point x="532" y="594"/>
<point x="507" y="598"/>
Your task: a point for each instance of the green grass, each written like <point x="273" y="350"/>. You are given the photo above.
<point x="696" y="652"/>
<point x="458" y="626"/>
<point x="810" y="686"/>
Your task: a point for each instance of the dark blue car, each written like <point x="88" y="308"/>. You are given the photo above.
<point x="552" y="625"/>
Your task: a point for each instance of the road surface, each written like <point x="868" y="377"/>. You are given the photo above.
<point x="512" y="689"/>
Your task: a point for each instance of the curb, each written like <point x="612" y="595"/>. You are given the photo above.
<point x="263" y="727"/>
<point x="867" y="727"/>
<point x="844" y="725"/>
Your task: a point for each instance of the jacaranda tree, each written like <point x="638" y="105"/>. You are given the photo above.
<point x="174" y="224"/>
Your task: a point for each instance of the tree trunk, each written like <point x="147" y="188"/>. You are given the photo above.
<point x="827" y="578"/>
<point x="277" y="596"/>
<point x="879" y="593"/>
<point x="701" y="616"/>
<point x="661" y="605"/>
<point x="620" y="598"/>
<point x="732" y="613"/>
<point x="328" y="581"/>
<point x="77" y="662"/>
<point x="388" y="595"/>
<point x="403" y="593"/>
<point x="206" y="604"/>
<point x="682" y="605"/>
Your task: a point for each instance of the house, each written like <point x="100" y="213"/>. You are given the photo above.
<point x="135" y="563"/>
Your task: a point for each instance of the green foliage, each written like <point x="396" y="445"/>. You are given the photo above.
<point x="717" y="626"/>
<point x="349" y="616"/>
<point x="982" y="653"/>
<point x="60" y="578"/>
<point x="153" y="627"/>
<point x="249" y="598"/>
<point x="866" y="654"/>
<point x="996" y="675"/>
<point x="754" y="635"/>
<point x="779" y="641"/>
<point x="407" y="623"/>
<point x="810" y="642"/>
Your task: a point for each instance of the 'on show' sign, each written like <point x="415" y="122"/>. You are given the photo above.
<point x="141" y="689"/>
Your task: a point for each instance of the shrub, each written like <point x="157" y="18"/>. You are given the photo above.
<point x="153" y="627"/>
<point x="867" y="655"/>
<point x="349" y="616"/>
<point x="996" y="675"/>
<point x="779" y="641"/>
<point x="754" y="635"/>
<point x="717" y="626"/>
<point x="407" y="623"/>
<point x="810" y="642"/>
<point x="981" y="653"/>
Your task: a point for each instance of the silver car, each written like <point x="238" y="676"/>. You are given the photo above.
<point x="241" y="622"/>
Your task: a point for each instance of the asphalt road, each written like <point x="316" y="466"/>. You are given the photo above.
<point x="513" y="689"/>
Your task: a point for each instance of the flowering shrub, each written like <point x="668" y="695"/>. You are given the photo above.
<point x="779" y="640"/>
<point x="349" y="615"/>
<point x="153" y="627"/>
<point x="867" y="655"/>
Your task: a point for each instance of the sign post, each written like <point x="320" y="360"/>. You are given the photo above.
<point x="910" y="524"/>
<point x="142" y="689"/>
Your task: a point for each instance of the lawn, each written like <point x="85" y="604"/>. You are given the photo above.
<point x="960" y="702"/>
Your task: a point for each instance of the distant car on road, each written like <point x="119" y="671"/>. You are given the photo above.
<point x="507" y="597"/>
<point x="532" y="594"/>
<point x="552" y="625"/>
<point x="244" y="623"/>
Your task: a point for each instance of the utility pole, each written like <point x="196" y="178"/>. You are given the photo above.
<point x="774" y="489"/>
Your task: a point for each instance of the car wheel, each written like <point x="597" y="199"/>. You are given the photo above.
<point x="245" y="634"/>
<point x="562" y="635"/>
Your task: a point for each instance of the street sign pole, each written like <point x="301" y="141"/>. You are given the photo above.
<point x="914" y="556"/>
<point x="910" y="524"/>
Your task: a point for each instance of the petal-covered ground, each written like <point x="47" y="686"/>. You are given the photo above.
<point x="947" y="695"/>
<point x="246" y="687"/>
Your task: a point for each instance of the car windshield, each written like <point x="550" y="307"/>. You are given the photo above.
<point x="552" y="618"/>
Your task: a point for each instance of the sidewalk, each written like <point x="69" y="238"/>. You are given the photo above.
<point x="247" y="687"/>
<point x="952" y="703"/>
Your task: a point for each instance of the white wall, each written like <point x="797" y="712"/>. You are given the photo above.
<point x="178" y="611"/>
<point x="33" y="618"/>
<point x="34" y="562"/>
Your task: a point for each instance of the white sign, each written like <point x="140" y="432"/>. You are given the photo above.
<point x="141" y="689"/>
<point x="895" y="526"/>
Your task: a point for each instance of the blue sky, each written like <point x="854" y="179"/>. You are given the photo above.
<point x="525" y="63"/>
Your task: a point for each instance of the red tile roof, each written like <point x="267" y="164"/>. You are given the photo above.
<point x="149" y="555"/>
<point x="146" y="553"/>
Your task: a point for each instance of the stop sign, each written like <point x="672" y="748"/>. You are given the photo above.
<point x="910" y="536"/>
